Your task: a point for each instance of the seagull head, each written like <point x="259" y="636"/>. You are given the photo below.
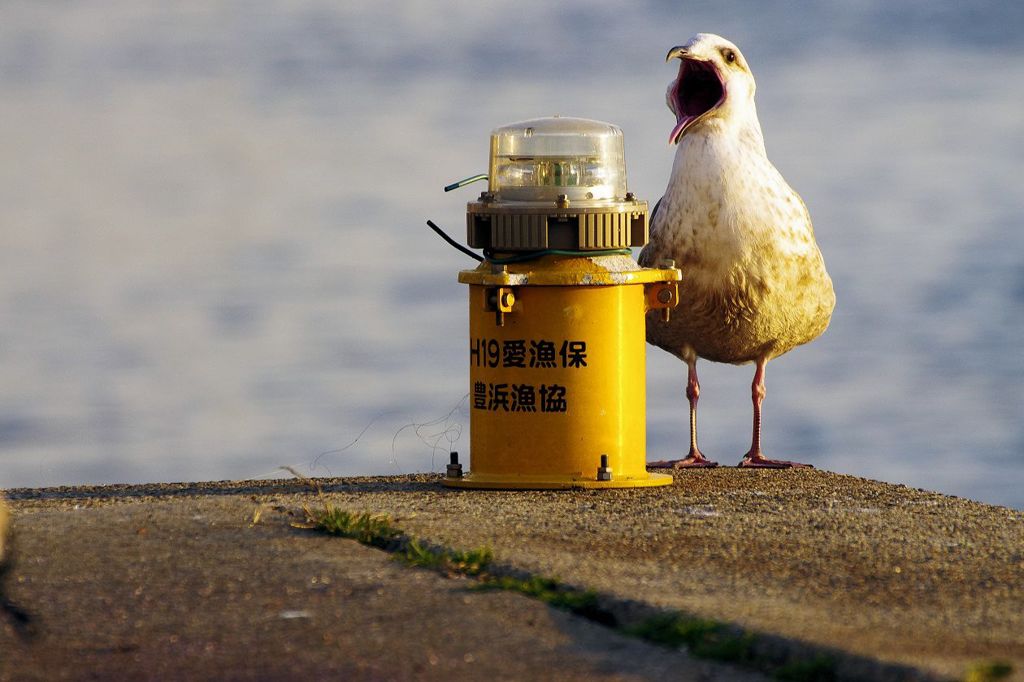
<point x="713" y="82"/>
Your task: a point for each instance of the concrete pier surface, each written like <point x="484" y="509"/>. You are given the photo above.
<point x="213" y="581"/>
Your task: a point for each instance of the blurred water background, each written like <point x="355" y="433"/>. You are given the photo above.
<point x="213" y="258"/>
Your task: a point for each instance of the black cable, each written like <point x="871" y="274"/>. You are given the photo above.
<point x="454" y="243"/>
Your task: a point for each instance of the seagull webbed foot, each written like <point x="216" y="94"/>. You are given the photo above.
<point x="756" y="460"/>
<point x="695" y="460"/>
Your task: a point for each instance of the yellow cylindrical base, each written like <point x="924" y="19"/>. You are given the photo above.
<point x="556" y="382"/>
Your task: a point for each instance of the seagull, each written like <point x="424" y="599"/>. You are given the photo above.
<point x="754" y="283"/>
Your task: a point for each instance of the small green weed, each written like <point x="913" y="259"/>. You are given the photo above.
<point x="552" y="592"/>
<point x="470" y="562"/>
<point x="369" y="529"/>
<point x="988" y="671"/>
<point x="703" y="638"/>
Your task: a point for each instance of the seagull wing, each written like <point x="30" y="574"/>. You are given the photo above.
<point x="647" y="256"/>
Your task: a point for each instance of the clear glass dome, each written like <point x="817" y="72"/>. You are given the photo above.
<point x="540" y="159"/>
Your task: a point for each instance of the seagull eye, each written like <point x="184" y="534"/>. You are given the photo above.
<point x="729" y="56"/>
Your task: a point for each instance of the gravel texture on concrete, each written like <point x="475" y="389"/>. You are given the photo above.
<point x="122" y="586"/>
<point x="173" y="578"/>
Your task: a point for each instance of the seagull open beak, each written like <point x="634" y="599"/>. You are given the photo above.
<point x="697" y="90"/>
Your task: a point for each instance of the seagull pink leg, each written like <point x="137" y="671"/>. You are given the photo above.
<point x="695" y="459"/>
<point x="755" y="459"/>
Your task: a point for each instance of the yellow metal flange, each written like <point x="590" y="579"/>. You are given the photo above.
<point x="536" y="482"/>
<point x="569" y="271"/>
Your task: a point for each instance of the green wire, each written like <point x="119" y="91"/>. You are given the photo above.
<point x="463" y="183"/>
<point x="554" y="252"/>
